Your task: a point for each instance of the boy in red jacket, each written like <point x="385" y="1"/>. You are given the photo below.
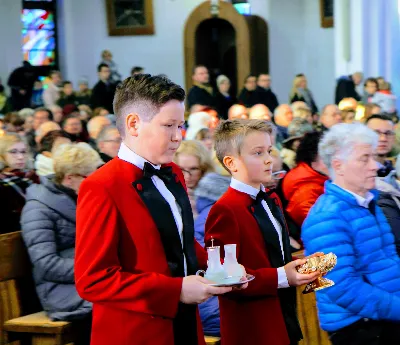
<point x="136" y="256"/>
<point x="251" y="217"/>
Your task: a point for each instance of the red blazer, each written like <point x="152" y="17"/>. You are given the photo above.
<point x="120" y="264"/>
<point x="253" y="315"/>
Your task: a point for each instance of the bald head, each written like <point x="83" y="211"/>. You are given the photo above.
<point x="260" y="112"/>
<point x="237" y="111"/>
<point x="96" y="124"/>
<point x="330" y="115"/>
<point x="45" y="128"/>
<point x="283" y="115"/>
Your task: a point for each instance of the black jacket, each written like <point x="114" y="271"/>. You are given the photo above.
<point x="197" y="95"/>
<point x="345" y="87"/>
<point x="223" y="105"/>
<point x="249" y="98"/>
<point x="268" y="98"/>
<point x="103" y="96"/>
<point x="297" y="98"/>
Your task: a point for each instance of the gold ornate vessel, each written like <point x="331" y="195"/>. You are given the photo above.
<point x="324" y="264"/>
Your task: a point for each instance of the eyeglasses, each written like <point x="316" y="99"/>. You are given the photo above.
<point x="190" y="171"/>
<point x="387" y="134"/>
<point x="279" y="175"/>
<point x="16" y="152"/>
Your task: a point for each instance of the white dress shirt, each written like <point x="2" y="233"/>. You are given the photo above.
<point x="126" y="154"/>
<point x="245" y="188"/>
<point x="363" y="202"/>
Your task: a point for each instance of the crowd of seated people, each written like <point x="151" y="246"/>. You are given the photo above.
<point x="48" y="146"/>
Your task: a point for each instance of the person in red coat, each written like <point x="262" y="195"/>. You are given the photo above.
<point x="304" y="184"/>
<point x="136" y="256"/>
<point x="251" y="217"/>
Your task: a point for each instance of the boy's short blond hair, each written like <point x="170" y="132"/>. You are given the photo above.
<point x="229" y="135"/>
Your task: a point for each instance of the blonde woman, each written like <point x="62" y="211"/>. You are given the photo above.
<point x="48" y="229"/>
<point x="300" y="92"/>
<point x="195" y="161"/>
<point x="14" y="180"/>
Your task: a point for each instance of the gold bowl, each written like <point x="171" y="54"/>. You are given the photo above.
<point x="323" y="264"/>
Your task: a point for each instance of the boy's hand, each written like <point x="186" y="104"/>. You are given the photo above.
<point x="295" y="278"/>
<point x="195" y="290"/>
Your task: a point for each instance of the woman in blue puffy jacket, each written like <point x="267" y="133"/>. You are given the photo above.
<point x="363" y="307"/>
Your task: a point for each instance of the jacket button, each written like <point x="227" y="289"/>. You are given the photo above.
<point x="252" y="209"/>
<point x="139" y="187"/>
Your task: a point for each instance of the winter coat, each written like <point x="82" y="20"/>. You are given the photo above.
<point x="48" y="230"/>
<point x="209" y="190"/>
<point x="389" y="202"/>
<point x="367" y="273"/>
<point x="301" y="187"/>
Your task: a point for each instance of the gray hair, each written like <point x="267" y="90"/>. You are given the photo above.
<point x="339" y="142"/>
<point x="26" y="112"/>
<point x="104" y="134"/>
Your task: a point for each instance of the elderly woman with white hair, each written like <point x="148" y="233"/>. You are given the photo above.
<point x="363" y="307"/>
<point x="48" y="229"/>
<point x="223" y="98"/>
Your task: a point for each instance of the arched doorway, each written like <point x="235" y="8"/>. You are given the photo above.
<point x="219" y="36"/>
<point x="228" y="26"/>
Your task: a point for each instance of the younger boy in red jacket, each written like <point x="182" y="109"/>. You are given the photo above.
<point x="251" y="217"/>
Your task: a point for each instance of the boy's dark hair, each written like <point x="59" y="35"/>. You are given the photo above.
<point x="372" y="80"/>
<point x="148" y="92"/>
<point x="100" y="66"/>
<point x="49" y="112"/>
<point x="383" y="117"/>
<point x="66" y="82"/>
<point x="307" y="152"/>
<point x="47" y="142"/>
<point x="136" y="69"/>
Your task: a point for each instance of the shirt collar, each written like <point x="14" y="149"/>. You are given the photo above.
<point x="245" y="188"/>
<point x="363" y="202"/>
<point x="127" y="155"/>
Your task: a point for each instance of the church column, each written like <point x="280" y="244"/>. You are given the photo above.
<point x="365" y="32"/>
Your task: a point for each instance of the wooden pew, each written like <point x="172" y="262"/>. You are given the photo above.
<point x="21" y="316"/>
<point x="308" y="316"/>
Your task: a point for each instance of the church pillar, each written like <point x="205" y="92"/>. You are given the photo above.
<point x="367" y="38"/>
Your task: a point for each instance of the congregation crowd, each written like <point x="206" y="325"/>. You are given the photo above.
<point x="334" y="170"/>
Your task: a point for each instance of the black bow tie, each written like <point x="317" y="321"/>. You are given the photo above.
<point x="261" y="196"/>
<point x="164" y="173"/>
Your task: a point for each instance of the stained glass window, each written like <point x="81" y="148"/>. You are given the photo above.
<point x="38" y="36"/>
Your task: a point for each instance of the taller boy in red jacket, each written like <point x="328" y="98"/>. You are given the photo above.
<point x="251" y="217"/>
<point x="135" y="251"/>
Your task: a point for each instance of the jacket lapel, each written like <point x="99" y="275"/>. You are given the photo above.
<point x="269" y="234"/>
<point x="181" y="197"/>
<point x="277" y="213"/>
<point x="161" y="214"/>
